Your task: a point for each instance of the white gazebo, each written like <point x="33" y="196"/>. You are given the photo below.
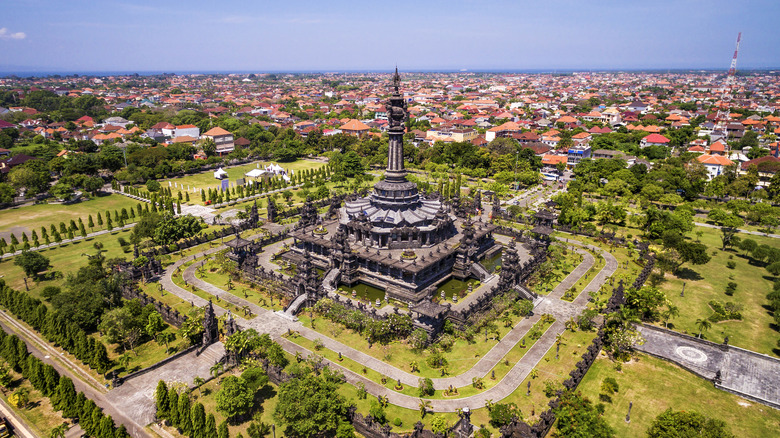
<point x="220" y="174"/>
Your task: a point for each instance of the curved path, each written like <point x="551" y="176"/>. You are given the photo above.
<point x="276" y="326"/>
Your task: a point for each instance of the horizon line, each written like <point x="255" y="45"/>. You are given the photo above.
<point x="43" y="72"/>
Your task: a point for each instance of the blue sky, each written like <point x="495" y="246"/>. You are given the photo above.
<point x="290" y="35"/>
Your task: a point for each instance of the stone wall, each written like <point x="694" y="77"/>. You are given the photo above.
<point x="547" y="418"/>
<point x="169" y="315"/>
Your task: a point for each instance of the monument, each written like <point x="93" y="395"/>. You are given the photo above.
<point x="395" y="238"/>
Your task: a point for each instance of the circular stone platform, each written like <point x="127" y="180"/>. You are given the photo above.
<point x="691" y="354"/>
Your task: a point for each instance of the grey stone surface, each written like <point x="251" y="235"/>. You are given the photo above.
<point x="752" y="375"/>
<point x="136" y="396"/>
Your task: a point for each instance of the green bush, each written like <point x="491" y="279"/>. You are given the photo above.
<point x="723" y="312"/>
<point x="397" y="422"/>
<point x="731" y="264"/>
<point x="426" y="387"/>
<point x="378" y="412"/>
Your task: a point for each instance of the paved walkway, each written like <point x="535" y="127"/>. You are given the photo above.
<point x="755" y="233"/>
<point x="276" y="326"/>
<point x="136" y="396"/>
<point x="99" y="397"/>
<point x="65" y="241"/>
<point x="746" y="373"/>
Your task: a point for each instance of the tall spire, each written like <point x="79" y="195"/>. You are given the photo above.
<point x="396" y="115"/>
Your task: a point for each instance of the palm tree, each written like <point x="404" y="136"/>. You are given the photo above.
<point x="671" y="312"/>
<point x="703" y="325"/>
<point x="59" y="431"/>
<point x="199" y="381"/>
<point x="558" y="343"/>
<point x="424" y="406"/>
<point x="571" y="324"/>
<point x="124" y="359"/>
<point x="216" y="369"/>
<point x="414" y="366"/>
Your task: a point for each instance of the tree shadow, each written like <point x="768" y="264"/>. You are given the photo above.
<point x="688" y="274"/>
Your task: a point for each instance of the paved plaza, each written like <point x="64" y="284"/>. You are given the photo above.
<point x="752" y="375"/>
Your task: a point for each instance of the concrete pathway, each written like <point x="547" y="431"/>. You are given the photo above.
<point x="136" y="396"/>
<point x="276" y="326"/>
<point x="746" y="373"/>
<point x="754" y="233"/>
<point x="65" y="241"/>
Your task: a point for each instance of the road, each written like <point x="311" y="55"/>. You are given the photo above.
<point x="64" y="367"/>
<point x="20" y="428"/>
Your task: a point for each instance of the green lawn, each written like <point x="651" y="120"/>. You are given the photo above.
<point x="65" y="259"/>
<point x="569" y="261"/>
<point x="206" y="180"/>
<point x="266" y="403"/>
<point x="460" y="358"/>
<point x="708" y="282"/>
<point x="33" y="217"/>
<point x="654" y="385"/>
<point x="500" y="369"/>
<point x="550" y="369"/>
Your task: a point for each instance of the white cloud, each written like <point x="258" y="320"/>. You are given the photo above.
<point x="5" y="35"/>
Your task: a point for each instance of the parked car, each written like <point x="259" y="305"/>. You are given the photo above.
<point x="4" y="428"/>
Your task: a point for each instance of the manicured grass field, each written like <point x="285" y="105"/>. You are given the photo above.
<point x="501" y="368"/>
<point x="66" y="259"/>
<point x="205" y="180"/>
<point x="708" y="282"/>
<point x="462" y="357"/>
<point x="550" y="369"/>
<point x="33" y="217"/>
<point x="654" y="385"/>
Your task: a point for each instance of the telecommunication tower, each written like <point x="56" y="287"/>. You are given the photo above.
<point x="731" y="75"/>
<point x="733" y="69"/>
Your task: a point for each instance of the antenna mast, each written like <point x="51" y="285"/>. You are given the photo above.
<point x="731" y="75"/>
<point x="733" y="68"/>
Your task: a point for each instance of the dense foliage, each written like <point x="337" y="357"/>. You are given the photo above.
<point x="395" y="326"/>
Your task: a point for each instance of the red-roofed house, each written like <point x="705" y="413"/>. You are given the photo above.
<point x="222" y="138"/>
<point x="767" y="166"/>
<point x="354" y="127"/>
<point x="718" y="148"/>
<point x="714" y="164"/>
<point x="552" y="160"/>
<point x="654" y="140"/>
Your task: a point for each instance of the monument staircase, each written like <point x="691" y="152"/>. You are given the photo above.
<point x="480" y="272"/>
<point x="213" y="353"/>
<point x="292" y="309"/>
<point x="526" y="293"/>
<point x="331" y="280"/>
